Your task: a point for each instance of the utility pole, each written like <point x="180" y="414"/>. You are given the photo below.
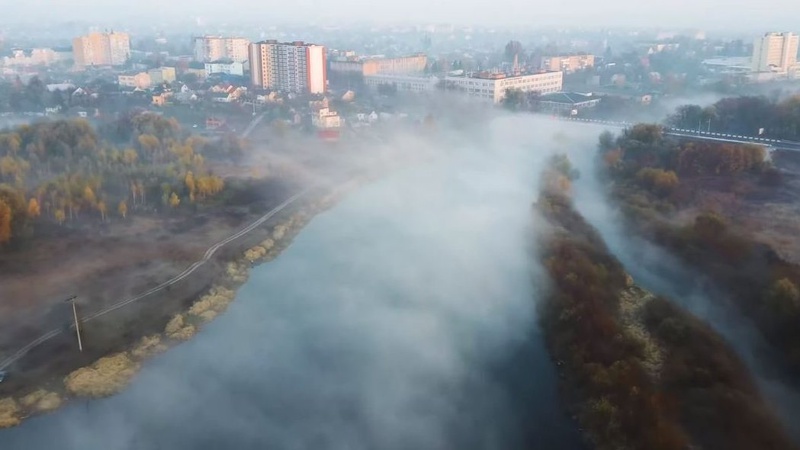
<point x="77" y="324"/>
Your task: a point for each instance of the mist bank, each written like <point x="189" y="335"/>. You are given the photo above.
<point x="640" y="371"/>
<point x="404" y="317"/>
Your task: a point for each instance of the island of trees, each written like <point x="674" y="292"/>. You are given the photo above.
<point x="68" y="173"/>
<point x="639" y="372"/>
<point x="655" y="179"/>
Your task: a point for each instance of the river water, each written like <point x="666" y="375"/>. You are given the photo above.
<point x="402" y="318"/>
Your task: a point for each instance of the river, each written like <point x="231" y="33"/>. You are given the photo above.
<point x="404" y="317"/>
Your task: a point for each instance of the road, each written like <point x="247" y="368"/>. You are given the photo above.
<point x="187" y="272"/>
<point x="698" y="134"/>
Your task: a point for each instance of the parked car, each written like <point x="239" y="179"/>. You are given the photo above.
<point x="2" y="375"/>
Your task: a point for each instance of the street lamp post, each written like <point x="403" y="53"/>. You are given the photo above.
<point x="77" y="324"/>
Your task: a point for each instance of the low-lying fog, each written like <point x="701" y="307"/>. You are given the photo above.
<point x="402" y="318"/>
<point x="405" y="317"/>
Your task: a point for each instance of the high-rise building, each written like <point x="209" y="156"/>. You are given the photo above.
<point x="101" y="49"/>
<point x="290" y="67"/>
<point x="218" y="48"/>
<point x="776" y="53"/>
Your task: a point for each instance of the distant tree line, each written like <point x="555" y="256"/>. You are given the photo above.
<point x="780" y="119"/>
<point x="66" y="171"/>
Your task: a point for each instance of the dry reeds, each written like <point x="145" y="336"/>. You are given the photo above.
<point x="41" y="401"/>
<point x="148" y="346"/>
<point x="105" y="377"/>
<point x="9" y="413"/>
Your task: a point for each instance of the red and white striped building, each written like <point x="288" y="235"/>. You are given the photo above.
<point x="289" y="67"/>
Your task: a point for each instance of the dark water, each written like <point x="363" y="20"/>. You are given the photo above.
<point x="404" y="318"/>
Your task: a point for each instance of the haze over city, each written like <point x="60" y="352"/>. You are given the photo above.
<point x="707" y="14"/>
<point x="390" y="225"/>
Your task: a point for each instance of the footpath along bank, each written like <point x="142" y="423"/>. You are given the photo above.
<point x="111" y="373"/>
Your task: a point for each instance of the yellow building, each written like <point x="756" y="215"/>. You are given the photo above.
<point x="776" y="53"/>
<point x="216" y="48"/>
<point x="567" y="63"/>
<point x="101" y="49"/>
<point x="139" y="80"/>
<point x="162" y="75"/>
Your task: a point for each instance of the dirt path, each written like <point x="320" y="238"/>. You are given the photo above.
<point x="165" y="285"/>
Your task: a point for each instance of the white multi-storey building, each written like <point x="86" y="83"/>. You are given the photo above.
<point x="402" y="83"/>
<point x="290" y="67"/>
<point x="217" y="48"/>
<point x="493" y="86"/>
<point x="226" y="67"/>
<point x="776" y="53"/>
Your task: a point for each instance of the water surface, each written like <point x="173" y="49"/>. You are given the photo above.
<point x="403" y="318"/>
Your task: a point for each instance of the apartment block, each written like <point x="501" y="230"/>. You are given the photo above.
<point x="224" y="67"/>
<point x="403" y="83"/>
<point x="566" y="63"/>
<point x="295" y="67"/>
<point x="218" y="48"/>
<point x="775" y="53"/>
<point x="411" y="64"/>
<point x="493" y="86"/>
<point x="101" y="49"/>
<point x="36" y="57"/>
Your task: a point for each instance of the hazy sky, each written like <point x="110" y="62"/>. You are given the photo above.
<point x="707" y="14"/>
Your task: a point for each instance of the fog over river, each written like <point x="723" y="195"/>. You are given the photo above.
<point x="404" y="317"/>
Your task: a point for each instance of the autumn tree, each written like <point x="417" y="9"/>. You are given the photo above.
<point x="149" y="144"/>
<point x="15" y="199"/>
<point x="10" y="143"/>
<point x="33" y="208"/>
<point x="208" y="185"/>
<point x="783" y="299"/>
<point x="709" y="226"/>
<point x="174" y="200"/>
<point x="190" y="185"/>
<point x="5" y="222"/>
<point x="60" y="216"/>
<point x="103" y="209"/>
<point x="89" y="197"/>
<point x="659" y="181"/>
<point x="122" y="208"/>
<point x="129" y="156"/>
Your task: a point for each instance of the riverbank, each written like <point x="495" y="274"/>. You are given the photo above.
<point x="638" y="371"/>
<point x="112" y="372"/>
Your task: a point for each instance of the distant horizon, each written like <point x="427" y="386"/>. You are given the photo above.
<point x="708" y="15"/>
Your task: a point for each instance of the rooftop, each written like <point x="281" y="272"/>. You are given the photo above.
<point x="499" y="75"/>
<point x="571" y="98"/>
